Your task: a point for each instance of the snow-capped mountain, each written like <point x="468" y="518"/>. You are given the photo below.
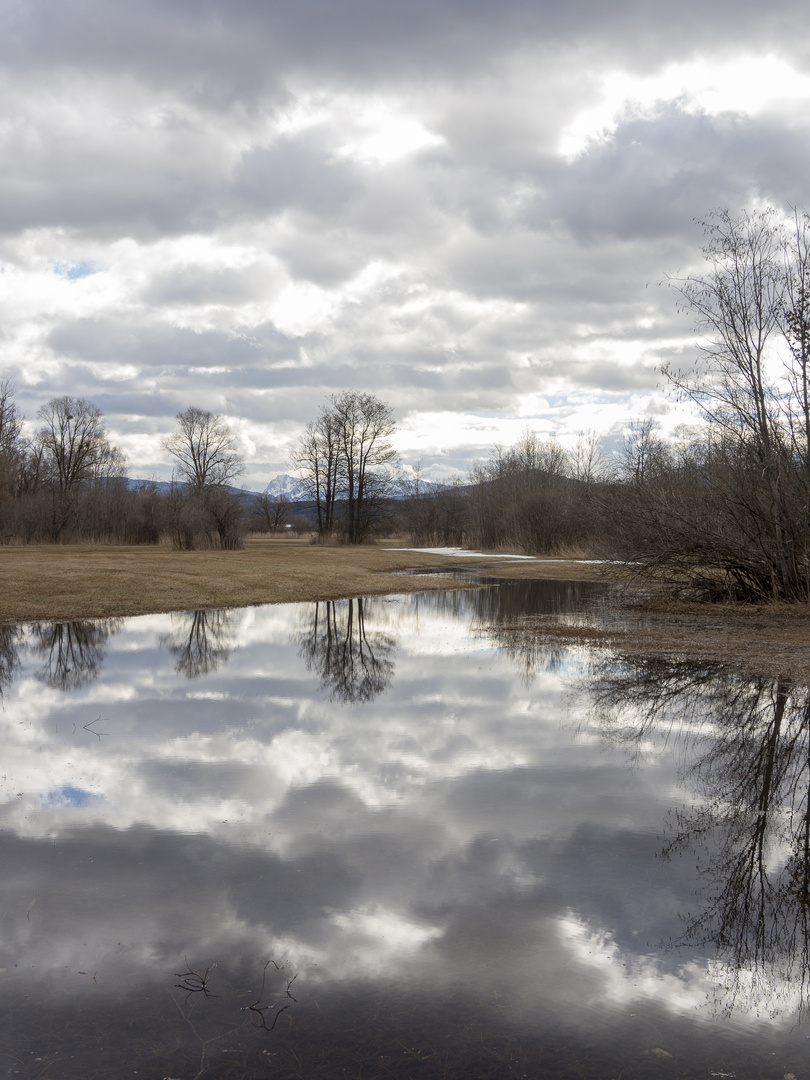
<point x="285" y="486"/>
<point x="289" y="487"/>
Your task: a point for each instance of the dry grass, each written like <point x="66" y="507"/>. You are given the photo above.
<point x="83" y="580"/>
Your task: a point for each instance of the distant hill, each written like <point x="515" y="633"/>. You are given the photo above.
<point x="291" y="488"/>
<point x="165" y="486"/>
<point x="287" y="487"/>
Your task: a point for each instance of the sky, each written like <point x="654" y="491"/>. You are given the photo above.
<point x="464" y="208"/>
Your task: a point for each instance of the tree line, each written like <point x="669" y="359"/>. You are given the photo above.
<point x="68" y="482"/>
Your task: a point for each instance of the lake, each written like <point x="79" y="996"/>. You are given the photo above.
<point x="388" y="837"/>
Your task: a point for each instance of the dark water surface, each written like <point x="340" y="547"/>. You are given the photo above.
<point x="380" y="839"/>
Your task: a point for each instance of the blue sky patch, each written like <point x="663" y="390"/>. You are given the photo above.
<point x="74" y="270"/>
<point x="69" y="796"/>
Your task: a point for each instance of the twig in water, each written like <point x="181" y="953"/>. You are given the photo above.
<point x="262" y="1008"/>
<point x="193" y="982"/>
<point x="89" y="727"/>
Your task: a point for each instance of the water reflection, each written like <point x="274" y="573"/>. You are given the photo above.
<point x="10" y="639"/>
<point x="353" y="663"/>
<point x="72" y="652"/>
<point x="465" y="878"/>
<point x="748" y="828"/>
<point x="201" y="641"/>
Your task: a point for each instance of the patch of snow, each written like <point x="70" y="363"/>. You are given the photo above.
<point x="462" y="553"/>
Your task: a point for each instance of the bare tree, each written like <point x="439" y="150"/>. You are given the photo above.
<point x="73" y="455"/>
<point x="588" y="464"/>
<point x="204" y="448"/>
<point x="317" y="459"/>
<point x="346" y="461"/>
<point x="794" y="319"/>
<point x="12" y="454"/>
<point x="272" y="513"/>
<point x="365" y="430"/>
<point x="205" y="513"/>
<point x="753" y="291"/>
<point x="75" y="443"/>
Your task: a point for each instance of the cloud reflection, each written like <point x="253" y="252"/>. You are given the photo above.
<point x="455" y="831"/>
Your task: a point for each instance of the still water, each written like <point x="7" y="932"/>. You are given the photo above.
<point x="386" y="838"/>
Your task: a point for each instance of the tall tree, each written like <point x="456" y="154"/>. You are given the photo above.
<point x="346" y="460"/>
<point x="750" y="309"/>
<point x="12" y="451"/>
<point x="318" y="461"/>
<point x="75" y="443"/>
<point x="204" y="448"/>
<point x="366" y="428"/>
<point x="73" y="458"/>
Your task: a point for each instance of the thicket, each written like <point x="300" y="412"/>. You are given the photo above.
<point x="728" y="512"/>
<point x="534" y="497"/>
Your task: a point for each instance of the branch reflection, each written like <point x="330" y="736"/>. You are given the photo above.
<point x="201" y="641"/>
<point x="352" y="662"/>
<point x="749" y="829"/>
<point x="73" y="651"/>
<point x="10" y="640"/>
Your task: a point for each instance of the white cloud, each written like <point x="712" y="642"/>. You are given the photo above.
<point x="748" y="85"/>
<point x="458" y="216"/>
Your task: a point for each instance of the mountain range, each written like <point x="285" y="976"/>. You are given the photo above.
<point x="285" y="486"/>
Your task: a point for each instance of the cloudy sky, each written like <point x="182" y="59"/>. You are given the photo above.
<point x="463" y="207"/>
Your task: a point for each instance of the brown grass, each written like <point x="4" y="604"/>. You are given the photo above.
<point x="83" y="580"/>
<point x="75" y="581"/>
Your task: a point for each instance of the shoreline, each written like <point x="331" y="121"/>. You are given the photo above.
<point x="85" y="581"/>
<point x="72" y="582"/>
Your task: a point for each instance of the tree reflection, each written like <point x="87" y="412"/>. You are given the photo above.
<point x="201" y="641"/>
<point x="9" y="655"/>
<point x="750" y="829"/>
<point x="73" y="651"/>
<point x="352" y="662"/>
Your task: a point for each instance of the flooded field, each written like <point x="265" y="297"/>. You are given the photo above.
<point x="370" y="839"/>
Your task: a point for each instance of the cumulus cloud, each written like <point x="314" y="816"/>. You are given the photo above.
<point x="456" y="207"/>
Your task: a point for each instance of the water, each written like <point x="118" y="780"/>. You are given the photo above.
<point x="386" y="838"/>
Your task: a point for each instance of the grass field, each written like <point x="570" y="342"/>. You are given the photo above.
<point x="84" y="580"/>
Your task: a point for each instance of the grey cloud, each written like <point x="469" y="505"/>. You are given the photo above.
<point x="159" y="346"/>
<point x="653" y="176"/>
<point x="194" y="285"/>
<point x="236" y="46"/>
<point x="297" y="173"/>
